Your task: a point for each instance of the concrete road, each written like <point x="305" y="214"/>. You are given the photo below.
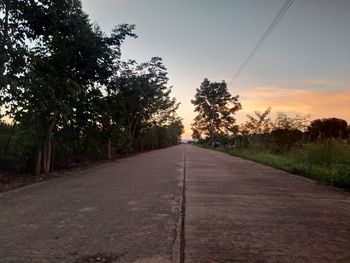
<point x="240" y="211"/>
<point x="137" y="210"/>
<point x="127" y="210"/>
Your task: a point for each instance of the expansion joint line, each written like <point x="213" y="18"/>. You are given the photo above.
<point x="183" y="212"/>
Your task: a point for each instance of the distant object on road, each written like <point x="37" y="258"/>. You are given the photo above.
<point x="187" y="141"/>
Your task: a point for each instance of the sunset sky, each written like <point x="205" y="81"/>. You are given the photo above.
<point x="304" y="66"/>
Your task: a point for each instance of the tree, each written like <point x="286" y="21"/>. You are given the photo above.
<point x="14" y="32"/>
<point x="257" y="128"/>
<point x="113" y="63"/>
<point x="196" y="135"/>
<point x="69" y="95"/>
<point x="259" y="123"/>
<point x="284" y="130"/>
<point x="66" y="60"/>
<point x="216" y="108"/>
<point x="298" y="122"/>
<point x="328" y="128"/>
<point x="286" y="138"/>
<point x="175" y="130"/>
<point x="163" y="135"/>
<point x="144" y="98"/>
<point x="62" y="67"/>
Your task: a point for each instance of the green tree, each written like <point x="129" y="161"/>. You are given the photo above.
<point x="65" y="63"/>
<point x="143" y="98"/>
<point x="216" y="108"/>
<point x="112" y="109"/>
<point x="68" y="93"/>
<point x="65" y="59"/>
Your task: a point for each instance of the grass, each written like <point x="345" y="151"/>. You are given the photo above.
<point x="326" y="162"/>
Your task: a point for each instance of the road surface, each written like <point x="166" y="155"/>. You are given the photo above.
<point x="139" y="209"/>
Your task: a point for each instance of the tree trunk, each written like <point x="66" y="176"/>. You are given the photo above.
<point x="47" y="153"/>
<point x="44" y="154"/>
<point x="48" y="159"/>
<point x="132" y="133"/>
<point x="38" y="163"/>
<point x="109" y="154"/>
<point x="53" y="155"/>
<point x="129" y="134"/>
<point x="47" y="145"/>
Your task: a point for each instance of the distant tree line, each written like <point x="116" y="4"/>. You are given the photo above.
<point x="215" y="123"/>
<point x="67" y="97"/>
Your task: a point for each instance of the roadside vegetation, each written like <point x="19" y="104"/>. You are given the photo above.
<point x="318" y="149"/>
<point x="67" y="97"/>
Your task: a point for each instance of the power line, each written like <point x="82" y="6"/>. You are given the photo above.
<point x="263" y="38"/>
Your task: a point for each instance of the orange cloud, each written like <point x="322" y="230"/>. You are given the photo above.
<point x="321" y="82"/>
<point x="319" y="104"/>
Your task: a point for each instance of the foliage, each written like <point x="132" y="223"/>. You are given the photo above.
<point x="216" y="108"/>
<point x="328" y="128"/>
<point x="69" y="96"/>
<point x="315" y="150"/>
<point x="259" y="123"/>
<point x="286" y="138"/>
<point x="279" y="133"/>
<point x="297" y="122"/>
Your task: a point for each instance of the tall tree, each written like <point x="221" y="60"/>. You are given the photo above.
<point x="14" y="32"/>
<point x="65" y="59"/>
<point x="143" y="97"/>
<point x="65" y="62"/>
<point x="114" y="65"/>
<point x="62" y="81"/>
<point x="216" y="108"/>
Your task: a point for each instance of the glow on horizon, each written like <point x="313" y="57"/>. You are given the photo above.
<point x="317" y="104"/>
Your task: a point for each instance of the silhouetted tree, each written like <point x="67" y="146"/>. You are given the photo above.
<point x="259" y="123"/>
<point x="328" y="128"/>
<point x="216" y="108"/>
<point x="286" y="138"/>
<point x="297" y="122"/>
<point x="257" y="128"/>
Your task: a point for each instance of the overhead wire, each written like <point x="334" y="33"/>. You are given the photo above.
<point x="263" y="38"/>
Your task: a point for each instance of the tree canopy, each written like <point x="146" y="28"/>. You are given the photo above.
<point x="215" y="108"/>
<point x="328" y="128"/>
<point x="69" y="95"/>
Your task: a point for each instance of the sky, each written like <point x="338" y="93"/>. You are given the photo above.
<point x="303" y="67"/>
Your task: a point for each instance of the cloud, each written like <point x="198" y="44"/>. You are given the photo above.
<point x="319" y="104"/>
<point x="327" y="82"/>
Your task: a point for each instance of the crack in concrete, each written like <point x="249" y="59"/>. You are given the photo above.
<point x="183" y="212"/>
